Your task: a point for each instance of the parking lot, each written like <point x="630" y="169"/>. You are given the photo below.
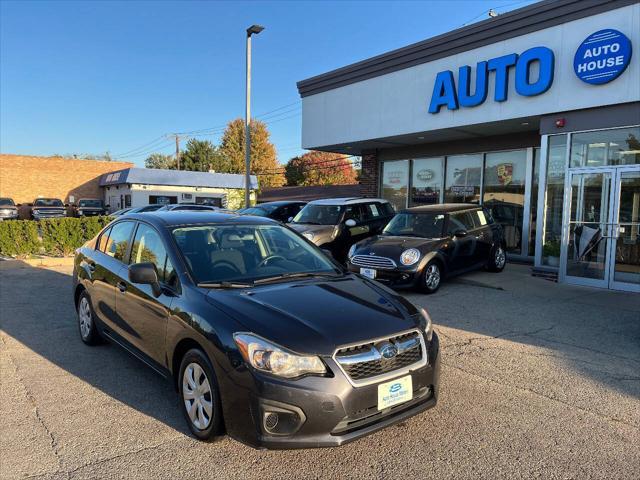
<point x="538" y="380"/>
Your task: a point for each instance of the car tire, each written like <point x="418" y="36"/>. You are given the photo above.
<point x="87" y="320"/>
<point x="431" y="277"/>
<point x="497" y="259"/>
<point x="199" y="395"/>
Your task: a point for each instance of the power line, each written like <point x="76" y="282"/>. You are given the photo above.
<point x="311" y="168"/>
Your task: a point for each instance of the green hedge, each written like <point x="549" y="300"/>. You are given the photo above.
<point x="19" y="238"/>
<point x="56" y="237"/>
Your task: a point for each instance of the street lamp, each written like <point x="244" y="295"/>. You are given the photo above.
<point x="253" y="29"/>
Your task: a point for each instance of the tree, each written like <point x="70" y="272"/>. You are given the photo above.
<point x="263" y="154"/>
<point x="202" y="156"/>
<point x="158" y="160"/>
<point x="320" y="168"/>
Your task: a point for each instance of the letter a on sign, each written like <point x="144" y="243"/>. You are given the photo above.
<point x="444" y="92"/>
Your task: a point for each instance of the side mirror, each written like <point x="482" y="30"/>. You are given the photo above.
<point x="145" y="273"/>
<point x="290" y="219"/>
<point x="350" y="223"/>
<point x="461" y="232"/>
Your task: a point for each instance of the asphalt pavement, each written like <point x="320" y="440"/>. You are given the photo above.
<point x="539" y="380"/>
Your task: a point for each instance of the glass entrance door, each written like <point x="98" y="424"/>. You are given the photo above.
<point x="601" y="237"/>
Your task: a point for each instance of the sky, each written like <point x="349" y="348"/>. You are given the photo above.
<point x="89" y="77"/>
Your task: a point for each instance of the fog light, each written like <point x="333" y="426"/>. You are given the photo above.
<point x="270" y="420"/>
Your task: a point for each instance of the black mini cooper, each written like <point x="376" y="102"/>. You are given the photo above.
<point x="264" y="336"/>
<point x="421" y="245"/>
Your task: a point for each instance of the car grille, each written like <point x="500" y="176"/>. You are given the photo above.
<point x="371" y="261"/>
<point x="366" y="361"/>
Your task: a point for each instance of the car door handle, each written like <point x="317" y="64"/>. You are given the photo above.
<point x="122" y="286"/>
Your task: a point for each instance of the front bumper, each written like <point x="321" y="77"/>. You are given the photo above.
<point x="407" y="277"/>
<point x="9" y="216"/>
<point x="321" y="411"/>
<point x="42" y="216"/>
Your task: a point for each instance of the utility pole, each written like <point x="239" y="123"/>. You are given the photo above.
<point x="253" y="29"/>
<point x="177" y="138"/>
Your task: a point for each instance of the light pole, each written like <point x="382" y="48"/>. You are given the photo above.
<point x="247" y="119"/>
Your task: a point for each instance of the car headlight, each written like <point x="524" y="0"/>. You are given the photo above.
<point x="428" y="324"/>
<point x="410" y="256"/>
<point x="309" y="236"/>
<point x="352" y="251"/>
<point x="268" y="357"/>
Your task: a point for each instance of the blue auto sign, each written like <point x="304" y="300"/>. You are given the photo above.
<point x="602" y="57"/>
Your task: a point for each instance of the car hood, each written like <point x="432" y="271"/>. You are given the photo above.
<point x="392" y="246"/>
<point x="321" y="233"/>
<point x="318" y="315"/>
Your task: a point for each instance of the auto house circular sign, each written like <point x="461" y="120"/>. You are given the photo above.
<point x="602" y="57"/>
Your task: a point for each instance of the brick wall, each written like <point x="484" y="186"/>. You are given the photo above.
<point x="25" y="178"/>
<point x="369" y="175"/>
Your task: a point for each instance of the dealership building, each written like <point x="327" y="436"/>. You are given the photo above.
<point x="534" y="114"/>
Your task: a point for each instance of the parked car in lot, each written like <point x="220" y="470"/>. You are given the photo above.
<point x="47" y="208"/>
<point x="422" y="245"/>
<point x="143" y="209"/>
<point x="8" y="209"/>
<point x="262" y="335"/>
<point x="335" y="224"/>
<point x="282" y="211"/>
<point x="188" y="206"/>
<point x="88" y="207"/>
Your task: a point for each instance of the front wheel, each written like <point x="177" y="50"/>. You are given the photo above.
<point x="497" y="259"/>
<point x="199" y="396"/>
<point x="86" y="321"/>
<point x="431" y="277"/>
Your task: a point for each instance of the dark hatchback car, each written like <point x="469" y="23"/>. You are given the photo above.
<point x="263" y="336"/>
<point x="282" y="211"/>
<point x="335" y="224"/>
<point x="422" y="245"/>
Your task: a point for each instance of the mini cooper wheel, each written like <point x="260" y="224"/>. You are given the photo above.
<point x="86" y="320"/>
<point x="199" y="397"/>
<point x="431" y="277"/>
<point x="497" y="259"/>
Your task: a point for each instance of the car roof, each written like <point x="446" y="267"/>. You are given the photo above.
<point x="278" y="203"/>
<point x="346" y="201"/>
<point x="441" y="208"/>
<point x="194" y="217"/>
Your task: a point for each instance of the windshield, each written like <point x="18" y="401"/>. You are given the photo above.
<point x="6" y="202"/>
<point x="90" y="203"/>
<point x="319" y="214"/>
<point x="246" y="253"/>
<point x="48" y="202"/>
<point x="427" y="225"/>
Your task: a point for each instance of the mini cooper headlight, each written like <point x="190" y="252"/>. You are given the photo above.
<point x="271" y="358"/>
<point x="309" y="236"/>
<point x="352" y="251"/>
<point x="410" y="256"/>
<point x="428" y="324"/>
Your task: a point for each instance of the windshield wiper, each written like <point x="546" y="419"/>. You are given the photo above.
<point x="224" y="285"/>
<point x="287" y="276"/>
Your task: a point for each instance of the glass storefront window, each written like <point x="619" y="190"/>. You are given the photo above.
<point x="395" y="183"/>
<point x="533" y="204"/>
<point x="554" y="199"/>
<point x="427" y="181"/>
<point x="620" y="146"/>
<point x="464" y="173"/>
<point x="504" y="184"/>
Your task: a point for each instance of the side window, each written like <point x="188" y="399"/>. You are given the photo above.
<point x="148" y="247"/>
<point x="460" y="221"/>
<point x="479" y="218"/>
<point x="119" y="240"/>
<point x="387" y="209"/>
<point x="103" y="241"/>
<point x="354" y="212"/>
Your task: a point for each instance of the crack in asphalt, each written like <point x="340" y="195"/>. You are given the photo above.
<point x="528" y="390"/>
<point x="53" y="442"/>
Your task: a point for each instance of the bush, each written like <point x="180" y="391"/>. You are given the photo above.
<point x="19" y="238"/>
<point x="58" y="236"/>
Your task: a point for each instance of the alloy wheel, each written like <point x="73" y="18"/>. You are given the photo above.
<point x="500" y="258"/>
<point x="432" y="276"/>
<point x="197" y="397"/>
<point x="84" y="316"/>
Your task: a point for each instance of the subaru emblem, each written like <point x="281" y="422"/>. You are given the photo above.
<point x="372" y="253"/>
<point x="388" y="351"/>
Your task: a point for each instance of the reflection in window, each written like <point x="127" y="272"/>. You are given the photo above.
<point x="427" y="181"/>
<point x="533" y="205"/>
<point x="395" y="182"/>
<point x="620" y="146"/>
<point x="464" y="173"/>
<point x="552" y="230"/>
<point x="504" y="179"/>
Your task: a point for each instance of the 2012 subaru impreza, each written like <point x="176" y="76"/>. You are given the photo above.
<point x="264" y="336"/>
